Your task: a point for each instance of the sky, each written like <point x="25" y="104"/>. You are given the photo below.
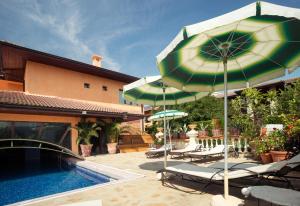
<point x="128" y="34"/>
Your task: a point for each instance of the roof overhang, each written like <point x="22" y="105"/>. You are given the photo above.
<point x="24" y="54"/>
<point x="24" y="109"/>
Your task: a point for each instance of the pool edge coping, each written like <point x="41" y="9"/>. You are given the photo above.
<point x="95" y="167"/>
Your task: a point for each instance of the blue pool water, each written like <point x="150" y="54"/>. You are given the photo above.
<point x="38" y="182"/>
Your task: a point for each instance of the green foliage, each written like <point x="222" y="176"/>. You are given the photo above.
<point x="112" y="130"/>
<point x="261" y="145"/>
<point x="86" y="130"/>
<point x="277" y="140"/>
<point x="246" y="112"/>
<point x="204" y="125"/>
<point x="289" y="99"/>
<point x="203" y="109"/>
<point x="152" y="130"/>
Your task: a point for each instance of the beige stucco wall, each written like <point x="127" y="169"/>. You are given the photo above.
<point x="10" y="85"/>
<point x="46" y="118"/>
<point x="56" y="81"/>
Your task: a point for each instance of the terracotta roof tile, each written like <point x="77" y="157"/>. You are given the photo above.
<point x="40" y="101"/>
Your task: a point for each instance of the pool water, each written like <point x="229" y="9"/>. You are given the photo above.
<point x="36" y="181"/>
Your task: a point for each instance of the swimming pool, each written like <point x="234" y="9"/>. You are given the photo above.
<point x="34" y="182"/>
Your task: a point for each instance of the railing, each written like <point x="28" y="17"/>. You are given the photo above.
<point x="238" y="142"/>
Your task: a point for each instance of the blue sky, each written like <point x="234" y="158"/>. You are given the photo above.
<point x="127" y="33"/>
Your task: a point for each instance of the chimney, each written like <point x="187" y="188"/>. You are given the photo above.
<point x="96" y="60"/>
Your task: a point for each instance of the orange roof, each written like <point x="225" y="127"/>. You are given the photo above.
<point x="17" y="99"/>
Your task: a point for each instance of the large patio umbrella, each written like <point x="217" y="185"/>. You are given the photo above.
<point x="250" y="45"/>
<point x="168" y="115"/>
<point x="152" y="91"/>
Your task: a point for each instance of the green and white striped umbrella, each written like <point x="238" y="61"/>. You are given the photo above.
<point x="149" y="90"/>
<point x="259" y="42"/>
<point x="170" y="115"/>
<point x="250" y="45"/>
<point x="167" y="116"/>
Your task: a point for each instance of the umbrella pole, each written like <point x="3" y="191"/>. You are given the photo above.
<point x="169" y="132"/>
<point x="165" y="138"/>
<point x="226" y="187"/>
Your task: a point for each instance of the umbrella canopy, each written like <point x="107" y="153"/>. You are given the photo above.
<point x="259" y="42"/>
<point x="250" y="45"/>
<point x="170" y="114"/>
<point x="149" y="90"/>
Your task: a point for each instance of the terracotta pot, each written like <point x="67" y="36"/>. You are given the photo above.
<point x="263" y="131"/>
<point x="182" y="135"/>
<point x="86" y="150"/>
<point x="234" y="131"/>
<point x="278" y="155"/>
<point x="203" y="133"/>
<point x="217" y="132"/>
<point x="112" y="148"/>
<point x="266" y="158"/>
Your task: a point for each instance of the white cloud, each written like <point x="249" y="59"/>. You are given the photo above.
<point x="64" y="20"/>
<point x="107" y="28"/>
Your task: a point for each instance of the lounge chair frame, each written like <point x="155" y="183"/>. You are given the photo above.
<point x="155" y="154"/>
<point x="268" y="177"/>
<point x="179" y="154"/>
<point x="231" y="151"/>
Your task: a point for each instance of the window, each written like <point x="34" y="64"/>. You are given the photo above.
<point x="86" y="85"/>
<point x="104" y="88"/>
<point x="121" y="97"/>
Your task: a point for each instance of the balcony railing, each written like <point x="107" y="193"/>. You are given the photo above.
<point x="234" y="138"/>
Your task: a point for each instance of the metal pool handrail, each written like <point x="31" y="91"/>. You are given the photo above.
<point x="42" y="146"/>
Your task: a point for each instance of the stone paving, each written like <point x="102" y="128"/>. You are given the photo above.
<point x="145" y="191"/>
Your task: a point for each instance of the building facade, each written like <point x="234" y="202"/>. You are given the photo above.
<point x="43" y="95"/>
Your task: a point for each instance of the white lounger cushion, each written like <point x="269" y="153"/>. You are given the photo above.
<point x="233" y="165"/>
<point x="209" y="172"/>
<point x="216" y="150"/>
<point x="275" y="195"/>
<point x="190" y="147"/>
<point x="162" y="148"/>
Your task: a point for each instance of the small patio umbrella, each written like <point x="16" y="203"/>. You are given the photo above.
<point x="251" y="45"/>
<point x="168" y="115"/>
<point x="152" y="91"/>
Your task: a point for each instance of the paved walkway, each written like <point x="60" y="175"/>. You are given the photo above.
<point x="146" y="191"/>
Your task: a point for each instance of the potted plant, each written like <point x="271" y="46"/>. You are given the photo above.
<point x="86" y="130"/>
<point x="203" y="129"/>
<point x="183" y="132"/>
<point x="277" y="140"/>
<point x="112" y="131"/>
<point x="262" y="149"/>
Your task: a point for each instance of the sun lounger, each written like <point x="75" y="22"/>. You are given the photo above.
<point x="181" y="152"/>
<point x="216" y="151"/>
<point x="274" y="195"/>
<point x="211" y="174"/>
<point x="158" y="152"/>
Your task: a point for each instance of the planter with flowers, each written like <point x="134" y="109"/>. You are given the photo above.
<point x="203" y="129"/>
<point x="277" y="140"/>
<point x="262" y="149"/>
